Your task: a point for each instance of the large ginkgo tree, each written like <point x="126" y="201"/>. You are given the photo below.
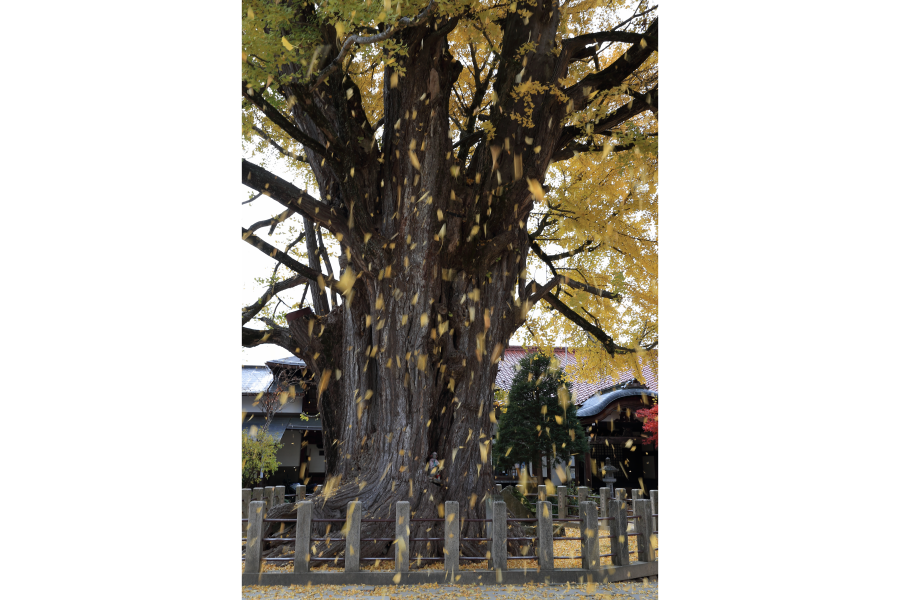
<point x="474" y="167"/>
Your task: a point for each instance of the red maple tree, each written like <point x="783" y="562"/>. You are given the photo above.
<point x="651" y="423"/>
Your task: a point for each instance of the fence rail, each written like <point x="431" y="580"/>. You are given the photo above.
<point x="591" y="517"/>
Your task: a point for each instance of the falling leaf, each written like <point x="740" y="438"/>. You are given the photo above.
<point x="534" y="186"/>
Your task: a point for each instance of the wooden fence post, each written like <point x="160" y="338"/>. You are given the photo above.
<point x="245" y="509"/>
<point x="590" y="540"/>
<point x="401" y="544"/>
<point x="352" y="544"/>
<point x="451" y="539"/>
<point x="489" y="518"/>
<point x="253" y="556"/>
<point x="269" y="497"/>
<point x="545" y="536"/>
<point x="642" y="526"/>
<point x="279" y="495"/>
<point x="603" y="505"/>
<point x="618" y="531"/>
<point x="498" y="539"/>
<point x="257" y="494"/>
<point x="562" y="501"/>
<point x="301" y="544"/>
<point x="654" y="508"/>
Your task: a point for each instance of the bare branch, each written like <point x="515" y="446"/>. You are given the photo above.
<point x="616" y="73"/>
<point x="248" y="312"/>
<point x="590" y="289"/>
<point x="580" y="41"/>
<point x="273" y="222"/>
<point x="291" y="196"/>
<point x="283" y="258"/>
<point x="254" y="337"/>
<point x="252" y="199"/>
<point x="277" y="146"/>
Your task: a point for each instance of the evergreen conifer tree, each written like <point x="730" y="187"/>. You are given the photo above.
<point x="540" y="417"/>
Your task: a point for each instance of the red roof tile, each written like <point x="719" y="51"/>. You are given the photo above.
<point x="582" y="390"/>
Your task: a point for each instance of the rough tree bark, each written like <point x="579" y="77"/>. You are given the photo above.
<point x="432" y="254"/>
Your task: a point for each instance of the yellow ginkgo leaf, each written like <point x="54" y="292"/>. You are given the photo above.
<point x="286" y="43"/>
<point x="534" y="186"/>
<point x="348" y="278"/>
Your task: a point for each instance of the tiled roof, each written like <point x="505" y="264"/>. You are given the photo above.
<point x="597" y="403"/>
<point x="582" y="390"/>
<point x="291" y="361"/>
<point x="255" y="379"/>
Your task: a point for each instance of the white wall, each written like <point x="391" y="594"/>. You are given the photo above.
<point x="316" y="462"/>
<point x="289" y="455"/>
<point x="289" y="409"/>
<point x="554" y="476"/>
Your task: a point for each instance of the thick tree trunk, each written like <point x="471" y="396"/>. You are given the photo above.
<point x="406" y="364"/>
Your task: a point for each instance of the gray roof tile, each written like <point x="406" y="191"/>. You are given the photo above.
<point x="255" y="379"/>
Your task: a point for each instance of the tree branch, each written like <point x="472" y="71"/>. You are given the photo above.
<point x="251" y="338"/>
<point x="494" y="247"/>
<point x="248" y="312"/>
<point x="273" y="222"/>
<point x="539" y="293"/>
<point x="613" y="75"/>
<point x="356" y="39"/>
<point x="277" y="146"/>
<point x="283" y="122"/>
<point x="291" y="196"/>
<point x="252" y="199"/>
<point x="605" y="340"/>
<point x="580" y="41"/>
<point x="590" y="289"/>
<point x="282" y="258"/>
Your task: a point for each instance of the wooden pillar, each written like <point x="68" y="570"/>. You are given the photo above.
<point x="588" y="469"/>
